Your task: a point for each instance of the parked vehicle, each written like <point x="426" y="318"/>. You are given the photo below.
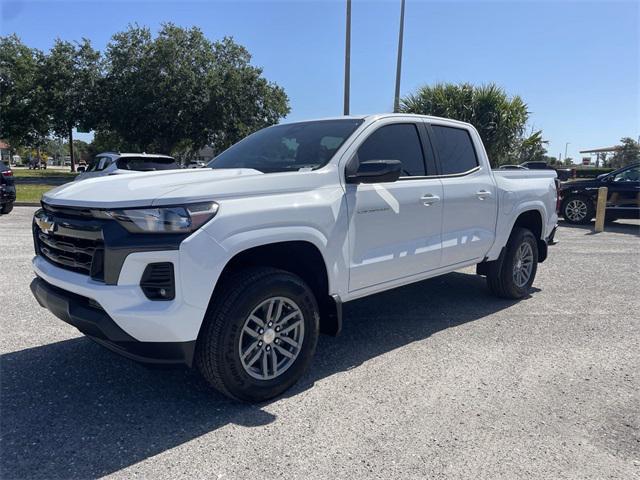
<point x="196" y="164"/>
<point x="82" y="166"/>
<point x="579" y="198"/>
<point x="113" y="163"/>
<point x="7" y="189"/>
<point x="37" y="164"/>
<point x="237" y="268"/>
<point x="564" y="174"/>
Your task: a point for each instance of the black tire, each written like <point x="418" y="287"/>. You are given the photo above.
<point x="217" y="352"/>
<point x="577" y="200"/>
<point x="500" y="274"/>
<point x="6" y="208"/>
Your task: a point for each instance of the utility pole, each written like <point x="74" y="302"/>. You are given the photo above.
<point x="347" y="60"/>
<point x="565" y="149"/>
<point x="396" y="102"/>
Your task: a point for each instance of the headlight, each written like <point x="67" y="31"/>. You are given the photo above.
<point x="179" y="219"/>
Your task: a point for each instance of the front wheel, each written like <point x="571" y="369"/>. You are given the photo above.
<point x="512" y="275"/>
<point x="260" y="334"/>
<point x="577" y="209"/>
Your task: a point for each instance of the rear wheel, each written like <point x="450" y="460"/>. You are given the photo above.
<point x="6" y="208"/>
<point x="260" y="334"/>
<point x="577" y="209"/>
<point x="512" y="275"/>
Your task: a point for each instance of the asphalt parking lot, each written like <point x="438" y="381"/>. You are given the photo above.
<point x="434" y="380"/>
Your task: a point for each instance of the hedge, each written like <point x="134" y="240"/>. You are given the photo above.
<point x="591" y="172"/>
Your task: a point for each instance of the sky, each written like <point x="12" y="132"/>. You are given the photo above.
<point x="575" y="63"/>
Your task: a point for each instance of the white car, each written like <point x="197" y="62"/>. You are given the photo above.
<point x="113" y="163"/>
<point x="237" y="268"/>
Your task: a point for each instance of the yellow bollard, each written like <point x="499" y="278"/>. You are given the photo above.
<point x="601" y="208"/>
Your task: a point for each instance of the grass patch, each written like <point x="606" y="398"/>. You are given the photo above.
<point x="26" y="173"/>
<point x="31" y="193"/>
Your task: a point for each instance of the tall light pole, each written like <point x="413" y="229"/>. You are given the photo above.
<point x="396" y="101"/>
<point x="347" y="60"/>
<point x="565" y="149"/>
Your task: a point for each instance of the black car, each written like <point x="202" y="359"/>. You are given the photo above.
<point x="578" y="204"/>
<point x="7" y="189"/>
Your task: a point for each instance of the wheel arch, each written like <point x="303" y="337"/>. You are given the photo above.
<point x="532" y="220"/>
<point x="301" y="257"/>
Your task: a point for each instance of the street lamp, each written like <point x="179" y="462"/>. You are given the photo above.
<point x="347" y="59"/>
<point x="396" y="100"/>
<point x="565" y="150"/>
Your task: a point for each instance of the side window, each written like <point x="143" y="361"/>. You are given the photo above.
<point x="455" y="149"/>
<point x="630" y="175"/>
<point x="395" y="142"/>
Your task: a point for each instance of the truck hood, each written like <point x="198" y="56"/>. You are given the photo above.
<point x="171" y="187"/>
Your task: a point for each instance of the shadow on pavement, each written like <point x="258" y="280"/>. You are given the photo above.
<point x="617" y="226"/>
<point x="74" y="410"/>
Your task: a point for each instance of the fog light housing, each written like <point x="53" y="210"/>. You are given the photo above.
<point x="158" y="282"/>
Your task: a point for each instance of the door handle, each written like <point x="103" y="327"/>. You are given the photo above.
<point x="482" y="194"/>
<point x="429" y="199"/>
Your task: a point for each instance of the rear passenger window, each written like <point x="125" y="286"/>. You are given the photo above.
<point x="399" y="141"/>
<point x="455" y="149"/>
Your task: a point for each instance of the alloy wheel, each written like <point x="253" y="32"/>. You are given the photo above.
<point x="576" y="210"/>
<point x="271" y="338"/>
<point x="523" y="265"/>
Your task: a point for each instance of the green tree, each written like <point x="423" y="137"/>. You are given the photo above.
<point x="179" y="88"/>
<point x="628" y="153"/>
<point x="499" y="119"/>
<point x="531" y="148"/>
<point x="70" y="76"/>
<point x="23" y="122"/>
<point x="107" y="141"/>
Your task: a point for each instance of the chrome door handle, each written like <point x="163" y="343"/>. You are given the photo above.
<point x="429" y="199"/>
<point x="482" y="194"/>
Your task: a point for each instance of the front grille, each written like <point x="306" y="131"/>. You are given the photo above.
<point x="75" y="254"/>
<point x="71" y="243"/>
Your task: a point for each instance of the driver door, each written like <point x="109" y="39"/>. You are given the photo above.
<point x="395" y="227"/>
<point x="624" y="192"/>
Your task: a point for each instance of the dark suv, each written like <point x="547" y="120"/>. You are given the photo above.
<point x="7" y="189"/>
<point x="623" y="198"/>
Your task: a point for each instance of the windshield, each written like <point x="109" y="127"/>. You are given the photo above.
<point x="286" y="148"/>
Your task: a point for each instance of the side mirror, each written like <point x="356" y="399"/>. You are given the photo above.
<point x="374" y="171"/>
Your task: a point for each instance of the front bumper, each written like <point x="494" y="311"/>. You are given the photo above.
<point x="90" y="318"/>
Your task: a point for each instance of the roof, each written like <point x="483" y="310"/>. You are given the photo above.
<point x="3" y="145"/>
<point x="615" y="148"/>
<point x="146" y="155"/>
<point x="375" y="116"/>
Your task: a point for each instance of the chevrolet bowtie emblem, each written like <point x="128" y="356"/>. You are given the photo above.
<point x="45" y="223"/>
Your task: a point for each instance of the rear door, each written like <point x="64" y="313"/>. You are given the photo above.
<point x="395" y="227"/>
<point x="470" y="205"/>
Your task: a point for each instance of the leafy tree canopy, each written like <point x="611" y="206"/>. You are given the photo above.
<point x="629" y="153"/>
<point x="22" y="119"/>
<point x="179" y="85"/>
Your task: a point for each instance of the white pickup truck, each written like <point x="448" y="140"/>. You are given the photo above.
<point x="237" y="268"/>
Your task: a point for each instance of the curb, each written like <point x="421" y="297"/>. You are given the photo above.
<point x="26" y="204"/>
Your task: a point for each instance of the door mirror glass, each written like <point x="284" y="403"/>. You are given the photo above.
<point x="376" y="171"/>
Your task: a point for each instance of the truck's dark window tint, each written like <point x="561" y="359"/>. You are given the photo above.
<point x="455" y="149"/>
<point x="395" y="142"/>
